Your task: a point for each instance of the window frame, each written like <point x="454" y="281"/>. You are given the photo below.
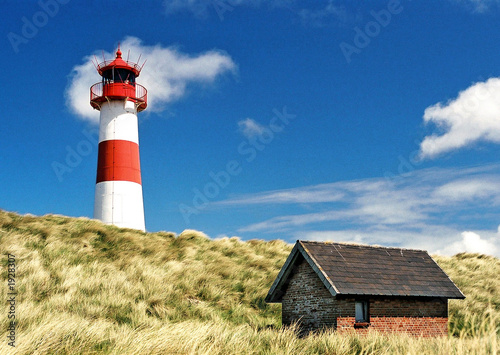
<point x="365" y="304"/>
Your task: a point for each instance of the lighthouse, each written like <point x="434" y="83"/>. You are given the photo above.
<point x="118" y="190"/>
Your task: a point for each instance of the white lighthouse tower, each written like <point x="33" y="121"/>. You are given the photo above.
<point x="118" y="191"/>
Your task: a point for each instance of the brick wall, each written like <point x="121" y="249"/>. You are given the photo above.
<point x="418" y="326"/>
<point x="307" y="300"/>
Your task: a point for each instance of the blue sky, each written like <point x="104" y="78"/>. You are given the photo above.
<point x="372" y="122"/>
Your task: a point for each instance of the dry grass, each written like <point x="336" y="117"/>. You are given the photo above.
<point x="88" y="288"/>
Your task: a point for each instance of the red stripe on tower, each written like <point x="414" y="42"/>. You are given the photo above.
<point x="118" y="160"/>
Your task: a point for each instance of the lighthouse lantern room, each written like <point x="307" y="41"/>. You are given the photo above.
<point x="118" y="191"/>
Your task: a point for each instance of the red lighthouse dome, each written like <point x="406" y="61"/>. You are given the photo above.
<point x="118" y="82"/>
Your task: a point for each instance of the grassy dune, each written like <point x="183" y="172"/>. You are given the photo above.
<point x="87" y="288"/>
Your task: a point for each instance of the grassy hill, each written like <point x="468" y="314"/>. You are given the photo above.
<point x="84" y="287"/>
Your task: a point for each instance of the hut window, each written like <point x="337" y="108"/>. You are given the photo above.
<point x="361" y="312"/>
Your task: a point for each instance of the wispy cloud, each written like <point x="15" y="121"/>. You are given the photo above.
<point x="166" y="75"/>
<point x="429" y="209"/>
<point x="484" y="188"/>
<point x="323" y="16"/>
<point x="368" y="202"/>
<point x="199" y="8"/>
<point x="478" y="6"/>
<point x="202" y="8"/>
<point x="250" y="128"/>
<point x="470" y="118"/>
<point x="309" y="194"/>
<point x="317" y="14"/>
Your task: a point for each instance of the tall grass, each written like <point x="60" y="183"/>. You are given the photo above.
<point x="87" y="288"/>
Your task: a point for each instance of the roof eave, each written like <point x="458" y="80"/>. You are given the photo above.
<point x="318" y="269"/>
<point x="272" y="295"/>
<point x="275" y="296"/>
<point x="449" y="278"/>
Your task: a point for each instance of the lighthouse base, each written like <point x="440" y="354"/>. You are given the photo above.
<point x="120" y="203"/>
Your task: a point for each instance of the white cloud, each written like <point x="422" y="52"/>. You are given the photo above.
<point x="470" y="189"/>
<point x="428" y="210"/>
<point x="166" y="75"/>
<point x="250" y="128"/>
<point x="472" y="117"/>
<point x="77" y="93"/>
<point x="473" y="243"/>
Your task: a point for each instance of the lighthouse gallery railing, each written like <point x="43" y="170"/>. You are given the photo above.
<point x="136" y="92"/>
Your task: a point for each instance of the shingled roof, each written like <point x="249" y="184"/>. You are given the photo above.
<point x="362" y="270"/>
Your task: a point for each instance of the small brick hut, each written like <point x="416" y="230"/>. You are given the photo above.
<point x="359" y="287"/>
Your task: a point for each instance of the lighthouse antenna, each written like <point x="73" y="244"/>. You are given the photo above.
<point x="128" y="55"/>
<point x="143" y="64"/>
<point x="96" y="63"/>
<point x="103" y="57"/>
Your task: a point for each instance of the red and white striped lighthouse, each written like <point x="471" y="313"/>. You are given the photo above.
<point x="118" y="191"/>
